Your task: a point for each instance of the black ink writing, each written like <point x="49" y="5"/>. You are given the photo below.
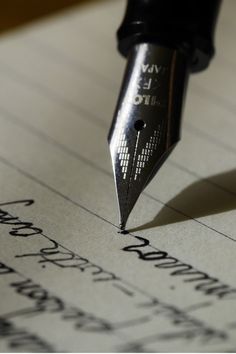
<point x="19" y="228"/>
<point x="56" y="255"/>
<point x="45" y="302"/>
<point x="203" y="282"/>
<point x="4" y="269"/>
<point x="21" y="339"/>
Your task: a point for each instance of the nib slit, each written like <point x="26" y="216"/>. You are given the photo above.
<point x="122" y="226"/>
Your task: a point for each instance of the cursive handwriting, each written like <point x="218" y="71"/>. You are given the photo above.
<point x="56" y="255"/>
<point x="4" y="269"/>
<point x="44" y="302"/>
<point x="19" y="339"/>
<point x="19" y="228"/>
<point x="203" y="282"/>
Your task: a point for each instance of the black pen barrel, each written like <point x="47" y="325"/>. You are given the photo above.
<point x="187" y="25"/>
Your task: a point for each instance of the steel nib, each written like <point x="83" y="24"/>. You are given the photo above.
<point x="146" y="123"/>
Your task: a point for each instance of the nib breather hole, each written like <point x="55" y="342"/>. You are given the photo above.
<point x="139" y="125"/>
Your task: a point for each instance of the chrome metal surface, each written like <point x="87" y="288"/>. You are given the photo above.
<point x="146" y="123"/>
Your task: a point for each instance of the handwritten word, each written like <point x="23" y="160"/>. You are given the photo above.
<point x="4" y="269"/>
<point x="58" y="256"/>
<point x="21" y="228"/>
<point x="162" y="260"/>
<point x="44" y="301"/>
<point x="185" y="328"/>
<point x="21" y="339"/>
<point x="54" y="253"/>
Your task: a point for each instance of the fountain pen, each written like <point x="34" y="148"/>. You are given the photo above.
<point x="164" y="41"/>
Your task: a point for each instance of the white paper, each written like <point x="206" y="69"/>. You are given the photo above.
<point x="68" y="280"/>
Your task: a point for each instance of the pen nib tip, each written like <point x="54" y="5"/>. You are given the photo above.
<point x="122" y="226"/>
<point x="123" y="231"/>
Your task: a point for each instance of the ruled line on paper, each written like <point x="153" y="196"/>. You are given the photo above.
<point x="68" y="305"/>
<point x="153" y="198"/>
<point x="45" y="91"/>
<point x="154" y="300"/>
<point x="79" y="157"/>
<point x="141" y="277"/>
<point x="36" y="85"/>
<point x="188" y="126"/>
<point x="198" y="89"/>
<point x="75" y="203"/>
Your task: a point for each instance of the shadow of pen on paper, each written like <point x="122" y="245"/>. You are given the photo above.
<point x="198" y="200"/>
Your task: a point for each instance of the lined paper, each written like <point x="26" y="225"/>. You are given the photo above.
<point x="68" y="280"/>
